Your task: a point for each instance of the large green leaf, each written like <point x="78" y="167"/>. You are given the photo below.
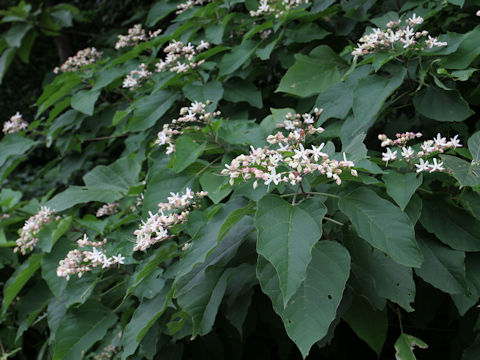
<point x="312" y="74"/>
<point x="441" y="105"/>
<point x="286" y="236"/>
<point x="119" y="176"/>
<point x="19" y="278"/>
<point x="474" y="146"/>
<point x="12" y="145"/>
<point x="237" y="57"/>
<point x="186" y="152"/>
<point x="401" y="187"/>
<point x="453" y="226"/>
<point x="80" y="329"/>
<point x="369" y="324"/>
<point x="469" y="298"/>
<point x="211" y="91"/>
<point x="312" y="309"/>
<point x="382" y="224"/>
<point x="442" y="267"/>
<point x="214" y="185"/>
<point x="84" y="101"/>
<point x="368" y="98"/>
<point x="468" y="50"/>
<point x="467" y="173"/>
<point x="376" y="275"/>
<point x="238" y="90"/>
<point x="142" y="320"/>
<point x="405" y="345"/>
<point x="79" y="194"/>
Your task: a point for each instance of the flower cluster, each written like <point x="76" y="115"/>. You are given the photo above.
<point x="135" y="35"/>
<point x="108" y="209"/>
<point x="180" y="58"/>
<point x="79" y="262"/>
<point x="189" y="4"/>
<point x="29" y="233"/>
<point x="396" y="33"/>
<point x="107" y="353"/>
<point x="169" y="214"/>
<point x="290" y="159"/>
<point x="136" y="77"/>
<point x="82" y="58"/>
<point x="268" y="7"/>
<point x="194" y="114"/>
<point x="429" y="148"/>
<point x="15" y="124"/>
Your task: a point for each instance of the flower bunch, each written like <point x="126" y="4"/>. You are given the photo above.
<point x="80" y="59"/>
<point x="107" y="353"/>
<point x="429" y="148"/>
<point x="396" y="33"/>
<point x="268" y="7"/>
<point x="108" y="209"/>
<point x="29" y="233"/>
<point x="79" y="262"/>
<point x="136" y="77"/>
<point x="15" y="124"/>
<point x="194" y="114"/>
<point x="169" y="214"/>
<point x="180" y="58"/>
<point x="188" y="5"/>
<point x="134" y="36"/>
<point x="290" y="159"/>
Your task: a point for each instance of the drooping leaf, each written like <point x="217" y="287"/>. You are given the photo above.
<point x="80" y="329"/>
<point x="474" y="146"/>
<point x="465" y="172"/>
<point x="12" y="145"/>
<point x="309" y="313"/>
<point x="286" y="236"/>
<point x="441" y="105"/>
<point x="237" y="57"/>
<point x="442" y="267"/>
<point x="214" y="185"/>
<point x="118" y="176"/>
<point x="186" y="152"/>
<point x="382" y="225"/>
<point x="401" y="187"/>
<point x="369" y="324"/>
<point x="84" y="101"/>
<point x="452" y="226"/>
<point x="405" y="345"/>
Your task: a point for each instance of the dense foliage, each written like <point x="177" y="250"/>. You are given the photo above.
<point x="242" y="179"/>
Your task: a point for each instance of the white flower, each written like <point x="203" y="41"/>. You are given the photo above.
<point x="454" y="142"/>
<point x="440" y="141"/>
<point x="436" y="166"/>
<point x="407" y="152"/>
<point x="389" y="155"/>
<point x="422" y="166"/>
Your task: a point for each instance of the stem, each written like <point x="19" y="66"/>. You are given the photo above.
<point x="399" y="319"/>
<point x="209" y="165"/>
<point x="295" y="195"/>
<point x="8" y="244"/>
<point x="333" y="221"/>
<point x="312" y="193"/>
<point x="105" y="137"/>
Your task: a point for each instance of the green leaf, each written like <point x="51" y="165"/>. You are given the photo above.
<point x="12" y="145"/>
<point x="465" y="172"/>
<point x="5" y="60"/>
<point x="309" y="313"/>
<point x="159" y="11"/>
<point x="473" y="351"/>
<point x="370" y="325"/>
<point x="212" y="91"/>
<point x="148" y="109"/>
<point x="375" y="270"/>
<point x="453" y="226"/>
<point x="19" y="278"/>
<point x="471" y="202"/>
<point x="214" y="184"/>
<point x="441" y="105"/>
<point x="368" y="98"/>
<point x="238" y="90"/>
<point x="51" y="232"/>
<point x="142" y="320"/>
<point x="80" y="329"/>
<point x="382" y="224"/>
<point x="443" y="267"/>
<point x="79" y="195"/>
<point x="312" y="74"/>
<point x="286" y="236"/>
<point x="232" y="219"/>
<point x="401" y="187"/>
<point x="468" y="50"/>
<point x="306" y="33"/>
<point x="118" y="176"/>
<point x="405" y="345"/>
<point x="474" y="146"/>
<point x="336" y="102"/>
<point x="468" y="299"/>
<point x="16" y="33"/>
<point x="84" y="101"/>
<point x="187" y="152"/>
<point x="237" y="57"/>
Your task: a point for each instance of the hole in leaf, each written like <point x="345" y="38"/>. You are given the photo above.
<point x="330" y="297"/>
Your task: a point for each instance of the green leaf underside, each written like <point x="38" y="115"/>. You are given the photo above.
<point x="286" y="236"/>
<point x="405" y="345"/>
